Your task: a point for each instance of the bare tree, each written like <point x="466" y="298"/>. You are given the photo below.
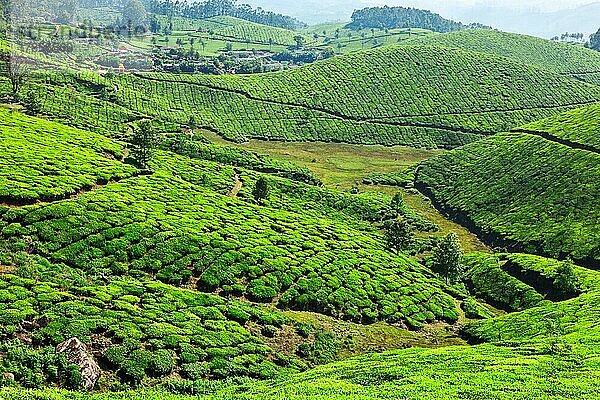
<point x="18" y="69"/>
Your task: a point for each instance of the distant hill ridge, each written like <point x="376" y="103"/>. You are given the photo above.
<point x="402" y="17"/>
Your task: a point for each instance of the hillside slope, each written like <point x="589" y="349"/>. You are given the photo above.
<point x="547" y="54"/>
<point x="579" y="127"/>
<point x="545" y="352"/>
<point x="174" y="266"/>
<point x="415" y="95"/>
<point x="522" y="191"/>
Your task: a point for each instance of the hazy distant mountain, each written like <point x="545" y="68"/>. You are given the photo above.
<point x="313" y="11"/>
<point x="523" y="19"/>
<point x="585" y="19"/>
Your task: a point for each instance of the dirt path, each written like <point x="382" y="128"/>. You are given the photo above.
<point x="237" y="187"/>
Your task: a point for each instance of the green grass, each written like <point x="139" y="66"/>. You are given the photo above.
<point x="338" y="165"/>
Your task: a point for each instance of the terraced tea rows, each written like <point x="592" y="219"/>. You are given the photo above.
<point x="44" y="160"/>
<point x="577" y="128"/>
<point x="397" y="89"/>
<point x="549" y="55"/>
<point x="522" y="190"/>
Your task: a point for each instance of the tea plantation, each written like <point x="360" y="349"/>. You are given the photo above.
<point x="191" y="267"/>
<point x="578" y="128"/>
<point x="420" y="96"/>
<point x="559" y="57"/>
<point x="417" y="95"/>
<point x="522" y="191"/>
<point x="44" y="160"/>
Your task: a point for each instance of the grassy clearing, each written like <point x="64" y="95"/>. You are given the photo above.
<point x="339" y="166"/>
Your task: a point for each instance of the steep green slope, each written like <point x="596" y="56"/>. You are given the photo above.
<point x="521" y="190"/>
<point x="547" y="54"/>
<point x="576" y="127"/>
<point x="44" y="160"/>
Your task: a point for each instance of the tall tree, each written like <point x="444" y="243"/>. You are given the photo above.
<point x="261" y="189"/>
<point x="399" y="235"/>
<point x="447" y="258"/>
<point x="566" y="280"/>
<point x="135" y="16"/>
<point x="17" y="71"/>
<point x="594" y="42"/>
<point x="144" y="142"/>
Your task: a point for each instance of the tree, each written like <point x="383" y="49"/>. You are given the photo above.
<point x="300" y="42"/>
<point x="144" y="141"/>
<point x="18" y="69"/>
<point x="594" y="42"/>
<point x="447" y="258"/>
<point x="566" y="280"/>
<point x="398" y="233"/>
<point x="134" y="14"/>
<point x="397" y="205"/>
<point x="261" y="189"/>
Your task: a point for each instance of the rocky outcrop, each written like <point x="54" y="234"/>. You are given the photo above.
<point x="76" y="353"/>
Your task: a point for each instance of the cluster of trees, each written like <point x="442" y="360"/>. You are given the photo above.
<point x="402" y="17"/>
<point x="594" y="42"/>
<point x="569" y="37"/>
<point x="213" y="8"/>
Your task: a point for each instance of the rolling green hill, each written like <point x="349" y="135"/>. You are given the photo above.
<point x="547" y="54"/>
<point x="174" y="267"/>
<point x="521" y="190"/>
<point x="400" y="95"/>
<point x="546" y="352"/>
<point x="44" y="160"/>
<point x="236" y="29"/>
<point x="578" y="127"/>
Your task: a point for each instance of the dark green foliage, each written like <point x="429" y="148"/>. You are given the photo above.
<point x="402" y="178"/>
<point x="322" y="350"/>
<point x="485" y="279"/>
<point x="566" y="280"/>
<point x="304" y="329"/>
<point x="72" y="377"/>
<point x="144" y="141"/>
<point x="399" y="234"/>
<point x="447" y="258"/>
<point x="475" y="310"/>
<point x="269" y="330"/>
<point x="594" y="42"/>
<point x="37" y="367"/>
<point x="402" y="17"/>
<point x="162" y="362"/>
<point x="261" y="190"/>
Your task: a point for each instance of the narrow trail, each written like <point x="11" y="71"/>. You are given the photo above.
<point x="564" y="142"/>
<point x="237" y="187"/>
